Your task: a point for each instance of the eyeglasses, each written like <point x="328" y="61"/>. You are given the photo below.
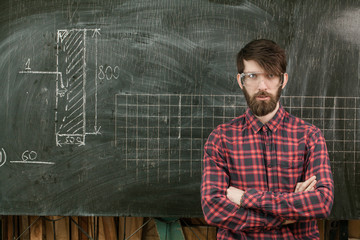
<point x="253" y="79"/>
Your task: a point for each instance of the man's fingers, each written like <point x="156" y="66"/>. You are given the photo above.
<point x="299" y="187"/>
<point x="311" y="187"/>
<point x="289" y="222"/>
<point x="307" y="182"/>
<point x="308" y="185"/>
<point x="234" y="194"/>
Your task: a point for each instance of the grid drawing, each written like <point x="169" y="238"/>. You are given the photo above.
<point x="154" y="130"/>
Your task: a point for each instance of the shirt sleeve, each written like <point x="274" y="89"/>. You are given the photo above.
<point x="217" y="208"/>
<point x="302" y="205"/>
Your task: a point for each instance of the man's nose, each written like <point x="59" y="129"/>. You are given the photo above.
<point x="262" y="82"/>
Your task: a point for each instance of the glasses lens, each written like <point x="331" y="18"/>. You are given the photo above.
<point x="253" y="79"/>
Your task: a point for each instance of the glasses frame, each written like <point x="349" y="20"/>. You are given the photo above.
<point x="242" y="75"/>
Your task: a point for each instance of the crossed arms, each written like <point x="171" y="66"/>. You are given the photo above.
<point x="264" y="210"/>
<point x="235" y="195"/>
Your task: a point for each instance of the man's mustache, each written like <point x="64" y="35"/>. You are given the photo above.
<point x="262" y="94"/>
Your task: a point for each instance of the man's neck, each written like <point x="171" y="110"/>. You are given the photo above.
<point x="269" y="116"/>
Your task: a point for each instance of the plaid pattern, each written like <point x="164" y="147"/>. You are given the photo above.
<point x="266" y="161"/>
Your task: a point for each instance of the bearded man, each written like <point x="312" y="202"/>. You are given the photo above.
<point x="266" y="174"/>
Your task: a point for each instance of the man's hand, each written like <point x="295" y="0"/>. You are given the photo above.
<point x="234" y="194"/>
<point x="308" y="185"/>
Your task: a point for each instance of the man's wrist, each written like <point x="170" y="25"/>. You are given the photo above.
<point x="241" y="200"/>
<point x="286" y="222"/>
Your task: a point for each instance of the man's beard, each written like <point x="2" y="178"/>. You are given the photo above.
<point x="262" y="108"/>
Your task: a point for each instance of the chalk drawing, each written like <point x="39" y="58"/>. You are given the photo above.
<point x="72" y="82"/>
<point x="109" y="73"/>
<point x="152" y="130"/>
<point x="2" y="157"/>
<point x="30" y="157"/>
<point x="27" y="65"/>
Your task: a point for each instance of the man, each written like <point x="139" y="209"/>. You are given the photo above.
<point x="266" y="174"/>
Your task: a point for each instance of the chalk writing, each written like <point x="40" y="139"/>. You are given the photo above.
<point x="2" y="157"/>
<point x="109" y="72"/>
<point x="27" y="65"/>
<point x="30" y="157"/>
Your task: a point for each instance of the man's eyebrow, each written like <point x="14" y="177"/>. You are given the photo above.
<point x="254" y="72"/>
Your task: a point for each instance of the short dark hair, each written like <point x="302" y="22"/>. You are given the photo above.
<point x="270" y="56"/>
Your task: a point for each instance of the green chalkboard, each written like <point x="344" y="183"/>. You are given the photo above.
<point x="106" y="105"/>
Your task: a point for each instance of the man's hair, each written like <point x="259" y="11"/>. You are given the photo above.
<point x="270" y="56"/>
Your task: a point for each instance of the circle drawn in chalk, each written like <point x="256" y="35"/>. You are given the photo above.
<point x="2" y="157"/>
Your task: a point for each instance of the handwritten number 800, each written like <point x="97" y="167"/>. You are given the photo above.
<point x="108" y="73"/>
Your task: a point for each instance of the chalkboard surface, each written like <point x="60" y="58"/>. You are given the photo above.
<point x="106" y="105"/>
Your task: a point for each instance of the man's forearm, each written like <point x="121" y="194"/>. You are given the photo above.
<point x="235" y="195"/>
<point x="224" y="214"/>
<point x="296" y="206"/>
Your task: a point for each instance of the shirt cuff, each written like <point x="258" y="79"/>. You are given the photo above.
<point x="251" y="199"/>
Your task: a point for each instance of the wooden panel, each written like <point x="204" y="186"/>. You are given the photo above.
<point x="109" y="227"/>
<point x="74" y="229"/>
<point x="9" y="227"/>
<point x="23" y="228"/>
<point x="200" y="232"/>
<point x="83" y="223"/>
<point x="196" y="228"/>
<point x="321" y="227"/>
<point x="149" y="231"/>
<point x="131" y="224"/>
<point x="36" y="230"/>
<point x="62" y="229"/>
<point x="354" y="229"/>
<point x="101" y="234"/>
<point x="61" y="226"/>
<point x="105" y="228"/>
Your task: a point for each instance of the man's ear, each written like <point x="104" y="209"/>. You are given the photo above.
<point x="286" y="78"/>
<point x="239" y="80"/>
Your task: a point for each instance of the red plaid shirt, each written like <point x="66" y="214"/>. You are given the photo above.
<point x="266" y="161"/>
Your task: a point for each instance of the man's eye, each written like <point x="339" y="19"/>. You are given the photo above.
<point x="252" y="75"/>
<point x="271" y="76"/>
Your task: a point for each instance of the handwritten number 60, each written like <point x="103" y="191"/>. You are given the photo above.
<point x="29" y="155"/>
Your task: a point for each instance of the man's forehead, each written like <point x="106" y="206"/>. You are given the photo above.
<point x="252" y="66"/>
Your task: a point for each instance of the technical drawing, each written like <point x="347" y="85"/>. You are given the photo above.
<point x="76" y="48"/>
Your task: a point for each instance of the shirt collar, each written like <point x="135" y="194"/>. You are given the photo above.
<point x="272" y="125"/>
